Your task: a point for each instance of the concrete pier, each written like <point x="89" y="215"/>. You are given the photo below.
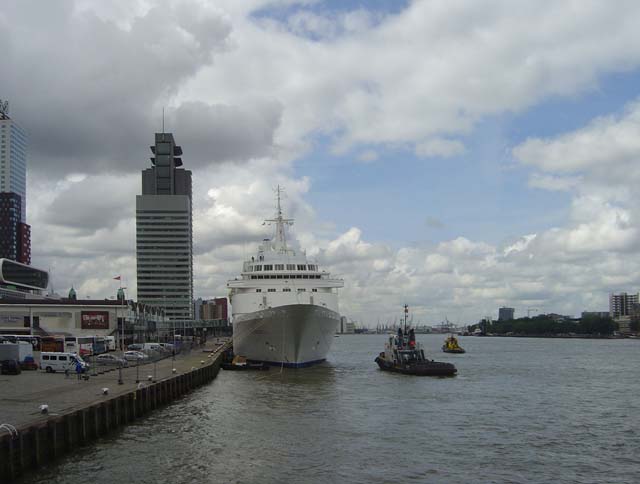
<point x="80" y="412"/>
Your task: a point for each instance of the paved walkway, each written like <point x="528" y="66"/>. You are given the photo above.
<point x="21" y="395"/>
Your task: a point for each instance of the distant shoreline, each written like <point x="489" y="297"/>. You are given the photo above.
<point x="554" y="336"/>
<point x="563" y="336"/>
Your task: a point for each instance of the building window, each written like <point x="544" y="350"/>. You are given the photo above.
<point x="268" y="267"/>
<point x="258" y="268"/>
<point x="302" y="267"/>
<point x="291" y="267"/>
<point x="314" y="290"/>
<point x="286" y="289"/>
<point x="258" y="290"/>
<point x="271" y="290"/>
<point x="279" y="267"/>
<point x="302" y="290"/>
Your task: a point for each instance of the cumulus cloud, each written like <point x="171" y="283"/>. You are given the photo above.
<point x="606" y="144"/>
<point x="427" y="72"/>
<point x="245" y="94"/>
<point x="96" y="88"/>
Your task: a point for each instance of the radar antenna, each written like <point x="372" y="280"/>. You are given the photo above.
<point x="280" y="222"/>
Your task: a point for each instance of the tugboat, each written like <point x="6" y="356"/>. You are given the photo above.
<point x="403" y="355"/>
<point x="451" y="345"/>
<point x="240" y="363"/>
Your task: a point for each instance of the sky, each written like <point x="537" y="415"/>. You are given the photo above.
<point x="456" y="156"/>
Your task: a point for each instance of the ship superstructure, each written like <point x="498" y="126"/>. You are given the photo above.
<point x="284" y="308"/>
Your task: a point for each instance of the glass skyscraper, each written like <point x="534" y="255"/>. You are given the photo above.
<point x="13" y="160"/>
<point x="15" y="234"/>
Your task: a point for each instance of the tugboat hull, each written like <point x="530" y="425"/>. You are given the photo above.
<point x="430" y="368"/>
<point x="458" y="351"/>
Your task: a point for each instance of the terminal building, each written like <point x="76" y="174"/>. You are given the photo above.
<point x="164" y="245"/>
<point x="21" y="281"/>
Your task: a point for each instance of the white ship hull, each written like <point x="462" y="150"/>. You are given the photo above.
<point x="294" y="335"/>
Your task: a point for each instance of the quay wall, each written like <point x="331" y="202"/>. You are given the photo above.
<point x="41" y="443"/>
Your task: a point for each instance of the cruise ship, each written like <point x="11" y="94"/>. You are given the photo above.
<point x="284" y="308"/>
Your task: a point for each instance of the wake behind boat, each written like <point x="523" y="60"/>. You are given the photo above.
<point x="284" y="308"/>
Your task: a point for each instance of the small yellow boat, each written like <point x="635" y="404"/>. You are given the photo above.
<point x="451" y="345"/>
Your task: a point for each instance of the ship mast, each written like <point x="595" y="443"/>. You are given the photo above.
<point x="406" y="315"/>
<point x="281" y="240"/>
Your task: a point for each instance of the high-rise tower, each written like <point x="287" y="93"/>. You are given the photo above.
<point x="164" y="242"/>
<point x="15" y="234"/>
<point x="13" y="158"/>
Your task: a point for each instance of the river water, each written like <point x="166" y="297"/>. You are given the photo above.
<point x="520" y="411"/>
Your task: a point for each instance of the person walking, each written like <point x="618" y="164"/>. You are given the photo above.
<point x="79" y="370"/>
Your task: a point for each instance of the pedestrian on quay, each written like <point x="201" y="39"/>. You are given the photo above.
<point x="79" y="370"/>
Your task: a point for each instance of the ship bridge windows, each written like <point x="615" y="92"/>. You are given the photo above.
<point x="286" y="289"/>
<point x="313" y="267"/>
<point x="302" y="267"/>
<point x="291" y="267"/>
<point x="268" y="267"/>
<point x="271" y="290"/>
<point x="258" y="290"/>
<point x="279" y="267"/>
<point x="314" y="290"/>
<point x="287" y="276"/>
<point x="302" y="289"/>
<point x="257" y="268"/>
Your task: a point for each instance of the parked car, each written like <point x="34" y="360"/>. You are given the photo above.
<point x="135" y="356"/>
<point x="29" y="363"/>
<point x="10" y="367"/>
<point x="111" y="360"/>
<point x="153" y="347"/>
<point x="135" y="347"/>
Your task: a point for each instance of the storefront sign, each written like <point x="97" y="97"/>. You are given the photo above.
<point x="94" y="320"/>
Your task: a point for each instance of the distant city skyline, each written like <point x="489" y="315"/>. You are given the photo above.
<point x="456" y="158"/>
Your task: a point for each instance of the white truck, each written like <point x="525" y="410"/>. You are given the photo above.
<point x="16" y="351"/>
<point x="111" y="343"/>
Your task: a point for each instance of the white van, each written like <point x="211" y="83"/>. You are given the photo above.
<point x="52" y="362"/>
<point x="152" y="347"/>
